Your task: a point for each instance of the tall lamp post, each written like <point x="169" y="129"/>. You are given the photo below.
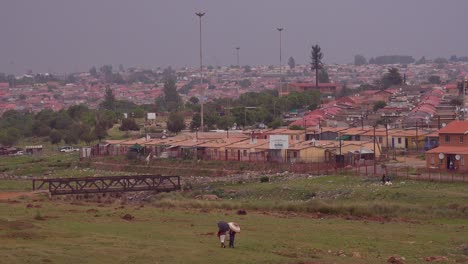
<point x="281" y="61"/>
<point x="200" y="14"/>
<point x="238" y="68"/>
<point x="237" y="49"/>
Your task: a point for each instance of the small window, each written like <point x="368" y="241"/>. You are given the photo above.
<point x="399" y="140"/>
<point x="292" y="137"/>
<point x="380" y="140"/>
<point x="295" y="154"/>
<point x="447" y="138"/>
<point x="462" y="160"/>
<point x="441" y="161"/>
<point x="297" y="137"/>
<point x="461" y="139"/>
<point x="245" y="153"/>
<point x="432" y="160"/>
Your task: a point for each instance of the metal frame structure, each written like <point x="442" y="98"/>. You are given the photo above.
<point x="59" y="186"/>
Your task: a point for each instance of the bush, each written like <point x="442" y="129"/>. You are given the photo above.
<point x="264" y="179"/>
<point x="39" y="216"/>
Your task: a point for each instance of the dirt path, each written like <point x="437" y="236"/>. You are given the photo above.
<point x="13" y="195"/>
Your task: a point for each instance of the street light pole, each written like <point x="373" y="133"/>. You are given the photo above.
<point x="238" y="69"/>
<point x="375" y="155"/>
<point x="281" y="61"/>
<point x="200" y="14"/>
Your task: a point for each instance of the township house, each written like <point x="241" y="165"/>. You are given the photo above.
<point x="253" y="146"/>
<point x="323" y="88"/>
<point x="452" y="153"/>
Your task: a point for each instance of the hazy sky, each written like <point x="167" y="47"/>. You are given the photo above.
<point x="72" y="35"/>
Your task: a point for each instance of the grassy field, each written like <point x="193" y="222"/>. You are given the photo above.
<point x="331" y="219"/>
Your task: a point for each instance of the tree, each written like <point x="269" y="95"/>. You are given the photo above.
<point x="323" y="76"/>
<point x="93" y="71"/>
<point x="316" y="64"/>
<point x="291" y="63"/>
<point x="247" y="68"/>
<point x="296" y="127"/>
<point x="106" y="70"/>
<point x="10" y="136"/>
<point x="225" y="122"/>
<point x="55" y="137"/>
<point x="378" y="105"/>
<point x="245" y="83"/>
<point x="345" y="91"/>
<point x="175" y="122"/>
<point x="392" y="77"/>
<point x="434" y="79"/>
<point x="109" y="100"/>
<point x="194" y="100"/>
<point x="440" y="60"/>
<point x="456" y="101"/>
<point x="100" y="131"/>
<point x="393" y="59"/>
<point x="359" y="60"/>
<point x="129" y="124"/>
<point x="196" y="121"/>
<point x="171" y="96"/>
<point x="422" y="60"/>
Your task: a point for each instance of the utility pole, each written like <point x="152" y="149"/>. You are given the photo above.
<point x="200" y="14"/>
<point x="281" y="61"/>
<point x="375" y="154"/>
<point x="237" y="49"/>
<point x="386" y="133"/>
<point x="239" y="70"/>
<point x="417" y="138"/>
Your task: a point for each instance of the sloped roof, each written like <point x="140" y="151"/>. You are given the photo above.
<point x="455" y="127"/>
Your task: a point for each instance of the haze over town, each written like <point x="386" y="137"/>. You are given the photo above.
<point x="71" y="36"/>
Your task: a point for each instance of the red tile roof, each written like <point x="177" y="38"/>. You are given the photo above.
<point x="455" y="127"/>
<point x="449" y="150"/>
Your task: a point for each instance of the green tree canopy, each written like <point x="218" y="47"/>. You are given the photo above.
<point x="392" y="77"/>
<point x="434" y="79"/>
<point x="378" y="105"/>
<point x="359" y="60"/>
<point x="316" y="64"/>
<point x="175" y="122"/>
<point x="291" y="63"/>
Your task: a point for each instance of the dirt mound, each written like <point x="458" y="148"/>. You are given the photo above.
<point x="209" y="197"/>
<point x="436" y="258"/>
<point x="395" y="260"/>
<point x="241" y="212"/>
<point x="128" y="217"/>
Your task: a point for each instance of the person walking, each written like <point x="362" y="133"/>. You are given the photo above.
<point x="232" y="237"/>
<point x="223" y="227"/>
<point x="222" y="237"/>
<point x="233" y="229"/>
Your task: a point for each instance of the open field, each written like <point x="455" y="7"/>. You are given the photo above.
<point x="330" y="219"/>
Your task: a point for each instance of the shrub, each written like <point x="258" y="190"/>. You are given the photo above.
<point x="264" y="179"/>
<point x="39" y="216"/>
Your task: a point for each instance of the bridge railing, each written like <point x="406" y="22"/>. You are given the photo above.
<point x="105" y="184"/>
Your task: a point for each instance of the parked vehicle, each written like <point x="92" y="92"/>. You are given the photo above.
<point x="68" y="149"/>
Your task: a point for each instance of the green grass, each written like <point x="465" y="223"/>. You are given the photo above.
<point x="53" y="165"/>
<point x="347" y="195"/>
<point x="95" y="233"/>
